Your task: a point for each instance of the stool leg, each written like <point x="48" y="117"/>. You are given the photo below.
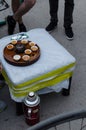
<point x="66" y="92"/>
<point x="19" y="109"/>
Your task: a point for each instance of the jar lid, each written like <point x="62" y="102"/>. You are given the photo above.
<point x="32" y="99"/>
<point x="31" y="94"/>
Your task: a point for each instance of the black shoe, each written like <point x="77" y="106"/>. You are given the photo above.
<point x="51" y="26"/>
<point x="11" y="24"/>
<point x="22" y="28"/>
<point x="69" y="33"/>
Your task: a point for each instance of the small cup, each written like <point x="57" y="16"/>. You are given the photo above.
<point x="10" y="46"/>
<point x="34" y="48"/>
<point x="14" y="42"/>
<point x="28" y="51"/>
<point x="24" y="41"/>
<point x="16" y="57"/>
<point x="31" y="43"/>
<point x="26" y="57"/>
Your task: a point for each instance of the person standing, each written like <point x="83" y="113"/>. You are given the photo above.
<point x="19" y="9"/>
<point x="68" y="17"/>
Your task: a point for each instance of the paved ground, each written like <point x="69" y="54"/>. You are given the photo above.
<point x="53" y="104"/>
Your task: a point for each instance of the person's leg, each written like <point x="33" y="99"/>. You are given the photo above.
<point x="53" y="14"/>
<point x="68" y="17"/>
<point x="23" y="9"/>
<point x="54" y="10"/>
<point x="10" y="21"/>
<point x="15" y="6"/>
<point x="19" y="12"/>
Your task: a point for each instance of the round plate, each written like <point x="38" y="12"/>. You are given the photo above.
<point x="9" y="55"/>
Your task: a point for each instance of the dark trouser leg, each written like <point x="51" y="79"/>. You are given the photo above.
<point x="66" y="92"/>
<point x="53" y="10"/>
<point x="68" y="13"/>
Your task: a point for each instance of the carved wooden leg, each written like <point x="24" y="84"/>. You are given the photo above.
<point x="66" y="92"/>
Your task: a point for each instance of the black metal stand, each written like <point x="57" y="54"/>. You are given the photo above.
<point x="66" y="92"/>
<point x="19" y="109"/>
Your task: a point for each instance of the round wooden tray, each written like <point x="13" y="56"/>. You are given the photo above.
<point x="8" y="55"/>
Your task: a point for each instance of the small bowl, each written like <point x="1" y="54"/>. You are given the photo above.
<point x="26" y="57"/>
<point x="16" y="57"/>
<point x="24" y="41"/>
<point x="14" y="42"/>
<point x="32" y="44"/>
<point x="28" y="51"/>
<point x="34" y="48"/>
<point x="10" y="46"/>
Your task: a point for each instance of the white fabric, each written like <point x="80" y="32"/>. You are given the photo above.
<point x="56" y="88"/>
